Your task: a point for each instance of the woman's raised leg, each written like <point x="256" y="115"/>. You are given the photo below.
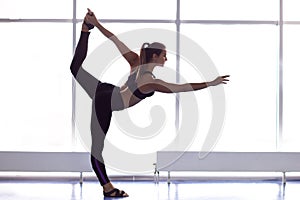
<point x="86" y="80"/>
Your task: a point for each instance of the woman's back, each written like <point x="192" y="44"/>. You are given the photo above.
<point x="131" y="92"/>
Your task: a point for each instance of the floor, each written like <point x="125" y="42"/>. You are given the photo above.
<point x="147" y="190"/>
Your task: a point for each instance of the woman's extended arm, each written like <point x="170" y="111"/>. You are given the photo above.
<point x="131" y="57"/>
<point x="165" y="87"/>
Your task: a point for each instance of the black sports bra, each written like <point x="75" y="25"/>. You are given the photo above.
<point x="132" y="85"/>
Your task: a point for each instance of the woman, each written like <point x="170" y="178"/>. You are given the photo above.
<point x="106" y="97"/>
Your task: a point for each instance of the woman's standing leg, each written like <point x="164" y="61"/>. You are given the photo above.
<point x="99" y="128"/>
<point x="101" y="118"/>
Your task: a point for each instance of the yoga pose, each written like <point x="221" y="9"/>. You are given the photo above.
<point x="107" y="98"/>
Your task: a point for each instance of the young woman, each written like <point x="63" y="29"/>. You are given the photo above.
<point x="107" y="98"/>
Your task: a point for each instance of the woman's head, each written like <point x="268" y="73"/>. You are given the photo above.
<point x="154" y="52"/>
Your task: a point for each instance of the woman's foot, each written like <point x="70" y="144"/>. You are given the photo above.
<point x="115" y="193"/>
<point x="89" y="26"/>
<point x="110" y="191"/>
<point x="84" y="28"/>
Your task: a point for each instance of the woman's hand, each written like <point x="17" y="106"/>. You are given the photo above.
<point x="91" y="18"/>
<point x="219" y="80"/>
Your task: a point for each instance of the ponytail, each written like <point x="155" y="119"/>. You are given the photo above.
<point x="143" y="54"/>
<point x="145" y="44"/>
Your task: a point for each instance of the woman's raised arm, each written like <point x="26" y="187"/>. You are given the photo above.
<point x="131" y="57"/>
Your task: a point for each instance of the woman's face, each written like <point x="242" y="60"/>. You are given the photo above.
<point x="162" y="58"/>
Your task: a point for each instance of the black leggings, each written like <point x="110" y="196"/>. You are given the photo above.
<point x="106" y="98"/>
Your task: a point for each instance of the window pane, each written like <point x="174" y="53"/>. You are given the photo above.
<point x="291" y="10"/>
<point x="230" y="9"/>
<point x="248" y="54"/>
<point x="36" y="87"/>
<point x="49" y="9"/>
<point x="291" y="97"/>
<point x="130" y="9"/>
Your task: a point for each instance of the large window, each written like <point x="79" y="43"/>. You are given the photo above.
<point x="255" y="41"/>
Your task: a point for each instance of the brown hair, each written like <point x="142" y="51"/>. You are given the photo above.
<point x="147" y="51"/>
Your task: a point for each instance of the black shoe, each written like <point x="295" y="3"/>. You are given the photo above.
<point x="114" y="193"/>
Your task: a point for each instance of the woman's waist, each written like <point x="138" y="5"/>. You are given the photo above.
<point x="128" y="98"/>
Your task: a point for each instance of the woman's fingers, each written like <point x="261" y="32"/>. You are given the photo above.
<point x="90" y="12"/>
<point x="226" y="76"/>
